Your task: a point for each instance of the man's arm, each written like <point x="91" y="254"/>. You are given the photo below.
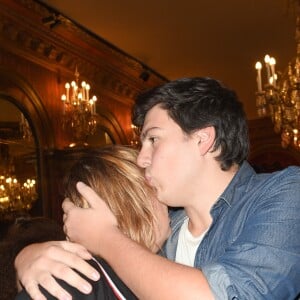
<point x="148" y="275"/>
<point x="151" y="276"/>
<point x="40" y="263"/>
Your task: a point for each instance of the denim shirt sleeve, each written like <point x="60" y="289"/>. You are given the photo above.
<point x="263" y="260"/>
<point x="218" y="280"/>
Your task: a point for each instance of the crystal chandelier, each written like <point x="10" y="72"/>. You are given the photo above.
<point x="79" y="110"/>
<point x="280" y="97"/>
<point x="14" y="196"/>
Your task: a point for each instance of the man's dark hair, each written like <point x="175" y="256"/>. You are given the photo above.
<point x="195" y="103"/>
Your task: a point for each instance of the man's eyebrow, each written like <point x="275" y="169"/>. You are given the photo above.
<point x="145" y="133"/>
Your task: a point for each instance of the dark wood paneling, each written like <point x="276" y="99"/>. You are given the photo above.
<point x="266" y="151"/>
<point x="36" y="61"/>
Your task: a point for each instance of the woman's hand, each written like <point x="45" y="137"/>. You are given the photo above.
<point x="38" y="264"/>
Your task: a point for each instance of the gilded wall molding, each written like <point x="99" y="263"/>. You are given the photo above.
<point x="62" y="48"/>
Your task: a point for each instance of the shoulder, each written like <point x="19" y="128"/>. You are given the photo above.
<point x="261" y="187"/>
<point x="284" y="182"/>
<point x="290" y="174"/>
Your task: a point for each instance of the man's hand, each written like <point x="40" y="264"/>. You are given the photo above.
<point x="40" y="263"/>
<point x="88" y="226"/>
<point x="140" y="269"/>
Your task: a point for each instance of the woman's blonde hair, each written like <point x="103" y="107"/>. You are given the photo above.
<point x="113" y="174"/>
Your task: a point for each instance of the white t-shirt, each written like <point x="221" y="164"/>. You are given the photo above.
<point x="187" y="245"/>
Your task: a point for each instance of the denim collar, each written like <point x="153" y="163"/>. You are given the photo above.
<point x="238" y="181"/>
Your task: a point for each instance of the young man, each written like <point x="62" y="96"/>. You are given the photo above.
<point x="237" y="236"/>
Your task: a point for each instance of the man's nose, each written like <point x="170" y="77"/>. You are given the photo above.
<point x="143" y="159"/>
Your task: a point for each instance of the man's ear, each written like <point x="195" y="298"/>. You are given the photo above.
<point x="206" y="138"/>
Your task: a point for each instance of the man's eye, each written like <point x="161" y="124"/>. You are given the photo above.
<point x="152" y="139"/>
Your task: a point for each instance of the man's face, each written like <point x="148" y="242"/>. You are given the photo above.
<point x="170" y="158"/>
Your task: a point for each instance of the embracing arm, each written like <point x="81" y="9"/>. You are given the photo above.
<point x="40" y="263"/>
<point x="151" y="276"/>
<point x="148" y="275"/>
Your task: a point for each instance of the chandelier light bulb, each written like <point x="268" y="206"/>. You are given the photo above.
<point x="272" y="61"/>
<point x="267" y="58"/>
<point x="258" y="65"/>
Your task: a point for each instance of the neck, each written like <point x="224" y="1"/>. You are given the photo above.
<point x="210" y="188"/>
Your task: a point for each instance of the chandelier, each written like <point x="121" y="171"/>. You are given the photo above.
<point x="279" y="98"/>
<point x="14" y="196"/>
<point x="79" y="110"/>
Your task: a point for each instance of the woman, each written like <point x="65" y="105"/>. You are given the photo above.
<point x="112" y="172"/>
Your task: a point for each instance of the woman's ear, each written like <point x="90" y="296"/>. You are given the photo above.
<point x="206" y="139"/>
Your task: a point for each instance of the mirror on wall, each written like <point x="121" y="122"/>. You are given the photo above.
<point x="18" y="162"/>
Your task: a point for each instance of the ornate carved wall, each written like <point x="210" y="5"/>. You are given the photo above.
<point x="37" y="58"/>
<point x="46" y="58"/>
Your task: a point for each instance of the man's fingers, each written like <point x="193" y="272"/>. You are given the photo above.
<point x="55" y="249"/>
<point x="62" y="272"/>
<point x="34" y="291"/>
<point x="67" y="205"/>
<point x="87" y="193"/>
<point x="75" y="259"/>
<point x="59" y="260"/>
<point x="64" y="269"/>
<point x="74" y="279"/>
<point x="64" y="217"/>
<point x="51" y="285"/>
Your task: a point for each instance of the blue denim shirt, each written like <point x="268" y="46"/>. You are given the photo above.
<point x="252" y="248"/>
